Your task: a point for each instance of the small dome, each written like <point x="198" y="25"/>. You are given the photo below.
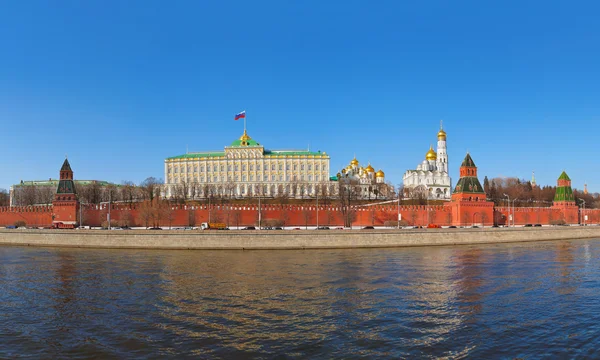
<point x="354" y="162"/>
<point x="441" y="135"/>
<point x="431" y="155"/>
<point x="369" y="168"/>
<point x="380" y="174"/>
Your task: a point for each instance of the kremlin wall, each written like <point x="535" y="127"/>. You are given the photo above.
<point x="468" y="206"/>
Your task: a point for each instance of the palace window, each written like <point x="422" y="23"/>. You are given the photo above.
<point x="272" y="177"/>
<point x="244" y="167"/>
<point x="244" y="177"/>
<point x="317" y="167"/>
<point x="237" y="167"/>
<point x="222" y="167"/>
<point x="295" y="167"/>
<point x="280" y="167"/>
<point x="229" y="167"/>
<point x="251" y="177"/>
<point x="176" y="170"/>
<point x="302" y="167"/>
<point x="214" y="178"/>
<point x="287" y="166"/>
<point x="302" y="178"/>
<point x="295" y="177"/>
<point x="309" y="177"/>
<point x="258" y="167"/>
<point x="168" y="170"/>
<point x="251" y="167"/>
<point x="237" y="178"/>
<point x="214" y="168"/>
<point x="287" y="178"/>
<point x="195" y="168"/>
<point x="272" y="166"/>
<point x="317" y="178"/>
<point x="309" y="167"/>
<point x="266" y="177"/>
<point x="201" y="168"/>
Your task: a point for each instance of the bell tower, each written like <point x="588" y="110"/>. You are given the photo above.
<point x="65" y="204"/>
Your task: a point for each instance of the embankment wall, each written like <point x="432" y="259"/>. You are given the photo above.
<point x="165" y="239"/>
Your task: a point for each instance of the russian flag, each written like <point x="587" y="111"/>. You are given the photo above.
<point x="241" y="115"/>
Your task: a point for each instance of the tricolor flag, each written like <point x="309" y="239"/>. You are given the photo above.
<point x="241" y="115"/>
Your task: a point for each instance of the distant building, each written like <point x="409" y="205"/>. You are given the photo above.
<point x="370" y="184"/>
<point x="41" y="192"/>
<point x="245" y="169"/>
<point x="430" y="179"/>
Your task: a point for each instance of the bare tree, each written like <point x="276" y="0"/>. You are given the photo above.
<point x="306" y="214"/>
<point x="4" y="198"/>
<point x="348" y="193"/>
<point x="237" y="217"/>
<point x="151" y="188"/>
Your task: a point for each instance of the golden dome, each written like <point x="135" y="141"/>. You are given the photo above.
<point x="380" y="174"/>
<point x="369" y="168"/>
<point x="441" y="135"/>
<point x="354" y="162"/>
<point x="431" y="155"/>
<point x="245" y="137"/>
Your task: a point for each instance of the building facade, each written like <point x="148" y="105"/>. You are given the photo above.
<point x="246" y="169"/>
<point x="368" y="183"/>
<point x="430" y="179"/>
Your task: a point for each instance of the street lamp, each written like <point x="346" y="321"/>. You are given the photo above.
<point x="398" y="219"/>
<point x="508" y="197"/>
<point x="583" y="214"/>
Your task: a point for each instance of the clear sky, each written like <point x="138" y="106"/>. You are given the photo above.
<point x="121" y="85"/>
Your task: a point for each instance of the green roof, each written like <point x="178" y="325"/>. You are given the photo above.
<point x="333" y="178"/>
<point x="468" y="161"/>
<point x="66" y="187"/>
<point x="469" y="184"/>
<point x="52" y="182"/>
<point x="66" y="166"/>
<point x="564" y="176"/>
<point x="564" y="193"/>
<point x="249" y="142"/>
<point x="198" y="155"/>
<point x="292" y="152"/>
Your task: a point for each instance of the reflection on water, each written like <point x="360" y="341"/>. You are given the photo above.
<point x="518" y="300"/>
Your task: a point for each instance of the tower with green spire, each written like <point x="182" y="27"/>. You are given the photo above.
<point x="564" y="192"/>
<point x="66" y="203"/>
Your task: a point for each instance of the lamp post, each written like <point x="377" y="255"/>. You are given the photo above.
<point x="398" y="219"/>
<point x="317" y="209"/>
<point x="109" y="200"/>
<point x="583" y="213"/>
<point x="508" y="197"/>
<point x="513" y="211"/>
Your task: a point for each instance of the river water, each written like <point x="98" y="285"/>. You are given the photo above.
<point x="530" y="300"/>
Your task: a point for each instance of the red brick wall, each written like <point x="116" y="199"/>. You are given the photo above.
<point x="32" y="215"/>
<point x="296" y="215"/>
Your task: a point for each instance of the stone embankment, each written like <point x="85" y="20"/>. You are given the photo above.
<point x="311" y="239"/>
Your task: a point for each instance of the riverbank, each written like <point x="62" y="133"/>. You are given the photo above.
<point x="256" y="240"/>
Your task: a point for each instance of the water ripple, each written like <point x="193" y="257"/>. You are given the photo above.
<point x="493" y="301"/>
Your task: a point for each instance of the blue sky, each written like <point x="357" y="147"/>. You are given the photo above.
<point x="121" y="85"/>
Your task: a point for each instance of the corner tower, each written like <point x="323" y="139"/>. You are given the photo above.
<point x="65" y="204"/>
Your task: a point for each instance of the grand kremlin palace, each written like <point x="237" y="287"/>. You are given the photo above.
<point x="245" y="166"/>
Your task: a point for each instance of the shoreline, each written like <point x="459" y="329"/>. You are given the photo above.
<point x="290" y="240"/>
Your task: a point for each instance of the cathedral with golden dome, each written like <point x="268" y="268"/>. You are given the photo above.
<point x="431" y="179"/>
<point x="370" y="183"/>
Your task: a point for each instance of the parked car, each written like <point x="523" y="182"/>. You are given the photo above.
<point x="297" y="229"/>
<point x="433" y="226"/>
<point x="528" y="225"/>
<point x="537" y="225"/>
<point x="339" y="228"/>
<point x="249" y="228"/>
<point x="155" y="228"/>
<point x="11" y="227"/>
<point x="474" y="227"/>
<point x="278" y="228"/>
<point x="368" y="228"/>
<point x="323" y="228"/>
<point x="451" y="227"/>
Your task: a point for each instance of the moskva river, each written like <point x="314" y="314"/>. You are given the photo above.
<point x="534" y="300"/>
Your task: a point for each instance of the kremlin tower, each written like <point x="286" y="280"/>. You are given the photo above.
<point x="469" y="203"/>
<point x="65" y="202"/>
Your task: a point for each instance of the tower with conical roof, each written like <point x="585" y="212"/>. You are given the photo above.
<point x="66" y="203"/>
<point x="533" y="183"/>
<point x="565" y="200"/>
<point x="469" y="203"/>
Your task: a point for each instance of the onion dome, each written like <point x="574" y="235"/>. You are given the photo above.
<point x="354" y="162"/>
<point x="431" y="155"/>
<point x="441" y="135"/>
<point x="379" y="174"/>
<point x="370" y="169"/>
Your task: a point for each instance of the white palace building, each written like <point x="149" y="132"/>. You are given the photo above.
<point x="246" y="168"/>
<point x="430" y="179"/>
